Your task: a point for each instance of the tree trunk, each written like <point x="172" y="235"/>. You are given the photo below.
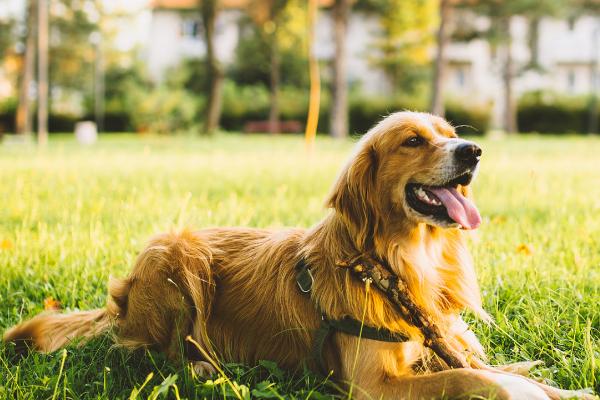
<point x="24" y="116"/>
<point x="339" y="103"/>
<point x="510" y="114"/>
<point x="440" y="64"/>
<point x="275" y="80"/>
<point x="534" y="43"/>
<point x="214" y="69"/>
<point x="42" y="16"/>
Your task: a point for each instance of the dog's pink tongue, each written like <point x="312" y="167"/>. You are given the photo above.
<point x="460" y="209"/>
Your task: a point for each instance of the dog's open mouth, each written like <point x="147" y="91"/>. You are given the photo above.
<point x="445" y="203"/>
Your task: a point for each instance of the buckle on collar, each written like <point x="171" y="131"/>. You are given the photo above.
<point x="305" y="280"/>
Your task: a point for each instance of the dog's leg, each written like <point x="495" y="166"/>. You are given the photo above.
<point x="168" y="292"/>
<point x="555" y="393"/>
<point x="376" y="370"/>
<point x="204" y="369"/>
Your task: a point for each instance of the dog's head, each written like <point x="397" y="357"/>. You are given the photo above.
<point x="410" y="168"/>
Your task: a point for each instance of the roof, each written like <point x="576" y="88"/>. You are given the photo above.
<point x="192" y="4"/>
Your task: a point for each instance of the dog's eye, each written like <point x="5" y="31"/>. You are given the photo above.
<point x="413" y="141"/>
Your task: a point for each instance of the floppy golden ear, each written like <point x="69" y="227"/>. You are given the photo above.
<point x="354" y="197"/>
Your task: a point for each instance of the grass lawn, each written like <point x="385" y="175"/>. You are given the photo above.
<point x="72" y="216"/>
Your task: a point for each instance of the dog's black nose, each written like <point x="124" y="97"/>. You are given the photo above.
<point x="467" y="153"/>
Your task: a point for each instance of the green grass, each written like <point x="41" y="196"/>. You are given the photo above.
<point x="72" y="216"/>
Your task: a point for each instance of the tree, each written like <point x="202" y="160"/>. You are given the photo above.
<point x="23" y="118"/>
<point x="440" y="62"/>
<point x="339" y="101"/>
<point x="402" y="49"/>
<point x="270" y="17"/>
<point x="209" y="11"/>
<point x="6" y="35"/>
<point x="499" y="36"/>
<point x="591" y="7"/>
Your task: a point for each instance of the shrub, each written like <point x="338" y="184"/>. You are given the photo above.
<point x="8" y="108"/>
<point x="163" y="110"/>
<point x="251" y="103"/>
<point x="470" y="119"/>
<point x="366" y="111"/>
<point x="546" y="112"/>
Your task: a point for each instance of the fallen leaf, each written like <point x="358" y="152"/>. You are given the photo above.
<point x="525" y="249"/>
<point x="50" y="304"/>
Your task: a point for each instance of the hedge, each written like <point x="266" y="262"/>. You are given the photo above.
<point x="545" y="112"/>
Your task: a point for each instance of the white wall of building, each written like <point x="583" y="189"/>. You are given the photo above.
<point x="174" y="38"/>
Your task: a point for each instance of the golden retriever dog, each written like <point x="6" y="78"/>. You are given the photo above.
<point x="404" y="198"/>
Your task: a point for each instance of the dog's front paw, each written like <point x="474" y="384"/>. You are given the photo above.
<point x="583" y="394"/>
<point x="514" y="387"/>
<point x="520" y="368"/>
<point x="204" y="369"/>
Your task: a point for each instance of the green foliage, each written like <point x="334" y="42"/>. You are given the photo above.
<point x="547" y="112"/>
<point x="251" y="103"/>
<point x="470" y="119"/>
<point x="73" y="216"/>
<point x="8" y="108"/>
<point x="190" y="74"/>
<point x="7" y="35"/>
<point x="402" y="49"/>
<point x="71" y="54"/>
<point x="367" y="111"/>
<point x="164" y="110"/>
<point x="252" y="62"/>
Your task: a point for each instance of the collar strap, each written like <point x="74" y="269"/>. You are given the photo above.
<point x="367" y="268"/>
<point x="347" y="325"/>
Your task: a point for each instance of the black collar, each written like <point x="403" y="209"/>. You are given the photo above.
<point x="347" y="325"/>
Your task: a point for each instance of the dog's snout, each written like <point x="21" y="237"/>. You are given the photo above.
<point x="468" y="153"/>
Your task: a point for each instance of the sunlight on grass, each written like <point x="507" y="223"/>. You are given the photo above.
<point x="72" y="216"/>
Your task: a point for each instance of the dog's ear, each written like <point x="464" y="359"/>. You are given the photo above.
<point x="354" y="197"/>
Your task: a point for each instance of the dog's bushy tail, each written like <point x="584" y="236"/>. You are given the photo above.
<point x="171" y="287"/>
<point x="50" y="331"/>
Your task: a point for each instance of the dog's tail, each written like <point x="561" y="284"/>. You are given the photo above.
<point x="50" y="331"/>
<point x="170" y="289"/>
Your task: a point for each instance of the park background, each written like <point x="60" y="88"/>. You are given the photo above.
<point x="144" y="66"/>
<point x="520" y="77"/>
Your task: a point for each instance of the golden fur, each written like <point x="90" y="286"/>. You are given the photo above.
<point x="234" y="290"/>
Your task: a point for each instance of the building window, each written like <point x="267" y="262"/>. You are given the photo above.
<point x="571" y="81"/>
<point x="190" y="28"/>
<point x="460" y="77"/>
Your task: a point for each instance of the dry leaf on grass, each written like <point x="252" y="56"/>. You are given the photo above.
<point x="50" y="304"/>
<point x="525" y="249"/>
